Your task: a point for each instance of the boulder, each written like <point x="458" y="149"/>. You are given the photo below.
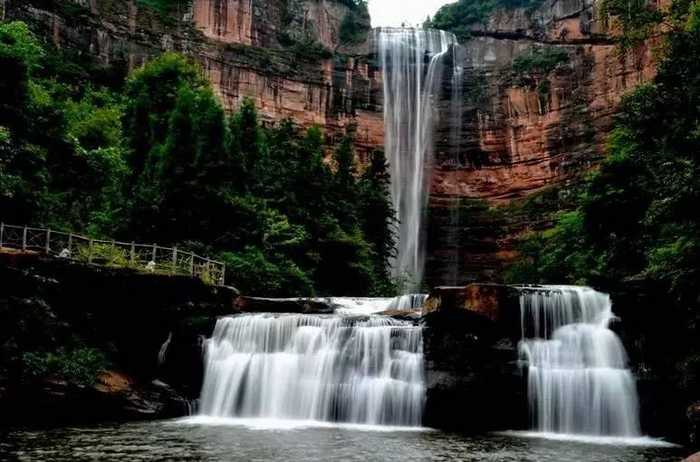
<point x="402" y="315"/>
<point x="496" y="302"/>
<point x="693" y="414"/>
<point x="471" y="362"/>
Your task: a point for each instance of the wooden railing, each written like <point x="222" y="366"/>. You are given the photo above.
<point x="143" y="257"/>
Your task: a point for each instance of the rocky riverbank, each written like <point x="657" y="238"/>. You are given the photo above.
<point x="81" y="343"/>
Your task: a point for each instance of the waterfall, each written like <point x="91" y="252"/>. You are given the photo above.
<point x="578" y="378"/>
<point x="311" y="367"/>
<point x="411" y="61"/>
<point x="408" y="302"/>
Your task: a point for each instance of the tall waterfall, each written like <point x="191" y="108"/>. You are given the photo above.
<point x="411" y="61"/>
<point x="578" y="380"/>
<point x="307" y="367"/>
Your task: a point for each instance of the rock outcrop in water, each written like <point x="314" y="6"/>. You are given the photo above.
<point x="470" y="347"/>
<point x="473" y="380"/>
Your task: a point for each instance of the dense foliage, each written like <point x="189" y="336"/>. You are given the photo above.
<point x="155" y="158"/>
<point x="81" y="366"/>
<point x="637" y="216"/>
<point x="461" y="16"/>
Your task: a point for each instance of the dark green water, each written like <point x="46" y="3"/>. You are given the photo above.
<point x="161" y="441"/>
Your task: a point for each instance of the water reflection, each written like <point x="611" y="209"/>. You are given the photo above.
<point x="174" y="441"/>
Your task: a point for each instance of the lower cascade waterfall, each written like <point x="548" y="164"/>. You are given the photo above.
<point x="578" y="378"/>
<point x="365" y="370"/>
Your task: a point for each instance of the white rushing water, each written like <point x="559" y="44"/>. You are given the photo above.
<point x="359" y="306"/>
<point x="411" y="61"/>
<point x="578" y="377"/>
<point x="315" y="368"/>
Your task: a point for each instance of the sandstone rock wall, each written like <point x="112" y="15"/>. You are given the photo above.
<point x="522" y="135"/>
<point x="286" y="55"/>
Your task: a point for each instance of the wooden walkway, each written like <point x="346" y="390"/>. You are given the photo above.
<point x="149" y="258"/>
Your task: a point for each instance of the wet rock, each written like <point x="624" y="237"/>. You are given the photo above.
<point x="473" y="380"/>
<point x="283" y="305"/>
<point x="402" y="315"/>
<point x="496" y="302"/>
<point x="693" y="414"/>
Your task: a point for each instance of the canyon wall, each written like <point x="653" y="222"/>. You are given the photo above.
<point x="525" y="135"/>
<point x="500" y="169"/>
<point x="286" y="55"/>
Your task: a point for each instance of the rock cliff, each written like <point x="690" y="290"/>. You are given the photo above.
<point x="526" y="130"/>
<point x="286" y="55"/>
<point x="520" y="132"/>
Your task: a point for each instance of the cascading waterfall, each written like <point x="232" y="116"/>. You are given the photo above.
<point x="312" y="367"/>
<point x="578" y="378"/>
<point x="408" y="302"/>
<point x="411" y="61"/>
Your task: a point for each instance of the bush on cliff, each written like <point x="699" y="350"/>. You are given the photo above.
<point x="80" y="366"/>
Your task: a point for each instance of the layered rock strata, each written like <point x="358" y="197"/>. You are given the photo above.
<point x="285" y="55"/>
<point x="522" y="132"/>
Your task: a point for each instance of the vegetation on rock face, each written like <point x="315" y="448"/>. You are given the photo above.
<point x="165" y="6"/>
<point x="539" y="60"/>
<point x="81" y="366"/>
<point x="461" y="16"/>
<point x="156" y="159"/>
<point x="533" y="67"/>
<point x="634" y="226"/>
<point x="636" y="217"/>
<point x="355" y="26"/>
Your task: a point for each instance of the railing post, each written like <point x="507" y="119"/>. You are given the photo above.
<point x="153" y="258"/>
<point x="70" y="245"/>
<point x="48" y="241"/>
<point x="24" y="239"/>
<point x="192" y="264"/>
<point x="174" y="260"/>
<point x="2" y="232"/>
<point x="132" y="256"/>
<point x="90" y="251"/>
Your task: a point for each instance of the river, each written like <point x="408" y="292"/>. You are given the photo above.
<point x="180" y="440"/>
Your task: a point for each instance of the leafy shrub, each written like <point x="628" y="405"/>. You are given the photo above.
<point x="80" y="366"/>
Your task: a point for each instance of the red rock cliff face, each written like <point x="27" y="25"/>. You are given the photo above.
<point x="286" y="55"/>
<point x="522" y="135"/>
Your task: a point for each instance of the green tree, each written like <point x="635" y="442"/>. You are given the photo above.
<point x="378" y="216"/>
